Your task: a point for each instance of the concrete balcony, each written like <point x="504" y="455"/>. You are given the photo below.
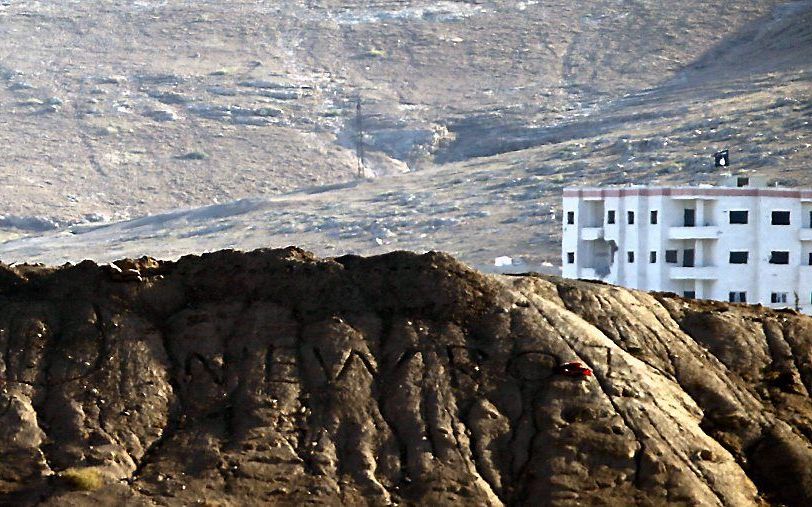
<point x="695" y="273"/>
<point x="591" y="233"/>
<point x="805" y="234"/>
<point x="704" y="232"/>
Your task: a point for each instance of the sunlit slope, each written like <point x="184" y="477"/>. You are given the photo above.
<point x="117" y="109"/>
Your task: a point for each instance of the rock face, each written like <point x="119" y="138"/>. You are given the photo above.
<point x="276" y="377"/>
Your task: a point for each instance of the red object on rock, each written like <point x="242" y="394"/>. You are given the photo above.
<point x="573" y="369"/>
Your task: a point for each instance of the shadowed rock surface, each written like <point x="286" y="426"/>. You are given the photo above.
<point x="276" y="377"/>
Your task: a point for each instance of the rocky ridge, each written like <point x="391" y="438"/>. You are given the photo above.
<point x="274" y="376"/>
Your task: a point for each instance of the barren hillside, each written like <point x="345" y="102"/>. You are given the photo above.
<point x="274" y="376"/>
<point x="117" y="109"/>
<point x="495" y="105"/>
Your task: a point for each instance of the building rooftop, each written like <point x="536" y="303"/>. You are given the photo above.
<point x="729" y="185"/>
<point x="687" y="192"/>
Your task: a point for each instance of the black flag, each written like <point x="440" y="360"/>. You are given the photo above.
<point x="722" y="158"/>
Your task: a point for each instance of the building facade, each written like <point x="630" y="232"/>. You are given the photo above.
<point x="739" y="242"/>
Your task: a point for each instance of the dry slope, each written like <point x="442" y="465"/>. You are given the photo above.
<point x="274" y="376"/>
<point x="130" y="108"/>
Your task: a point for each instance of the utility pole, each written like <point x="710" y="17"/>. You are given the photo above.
<point x="359" y="149"/>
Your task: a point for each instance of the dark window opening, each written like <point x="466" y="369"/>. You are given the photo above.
<point x="810" y="258"/>
<point x="671" y="256"/>
<point x="630" y="217"/>
<point x="688" y="258"/>
<point x="810" y="219"/>
<point x="570" y="257"/>
<point x="778" y="257"/>
<point x="738" y="257"/>
<point x="652" y="257"/>
<point x="570" y="217"/>
<point x="689" y="217"/>
<point x="654" y="217"/>
<point x="780" y="218"/>
<point x="778" y="297"/>
<point x="742" y="182"/>
<point x="737" y="297"/>
<point x="630" y="256"/>
<point x="738" y="217"/>
<point x="610" y="216"/>
<point x="689" y="294"/>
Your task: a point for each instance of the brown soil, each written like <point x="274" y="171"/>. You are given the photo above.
<point x="276" y="377"/>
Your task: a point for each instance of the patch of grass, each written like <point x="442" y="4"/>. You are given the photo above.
<point x="83" y="479"/>
<point x="225" y="71"/>
<point x="194" y="155"/>
<point x="331" y="113"/>
<point x="376" y="53"/>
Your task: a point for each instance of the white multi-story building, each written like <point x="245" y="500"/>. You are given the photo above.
<point x="740" y="242"/>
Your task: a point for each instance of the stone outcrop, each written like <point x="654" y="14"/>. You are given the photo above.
<point x="276" y="377"/>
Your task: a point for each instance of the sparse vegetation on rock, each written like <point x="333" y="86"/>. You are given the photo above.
<point x="82" y="479"/>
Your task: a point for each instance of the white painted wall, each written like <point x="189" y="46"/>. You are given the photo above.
<point x="712" y="239"/>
